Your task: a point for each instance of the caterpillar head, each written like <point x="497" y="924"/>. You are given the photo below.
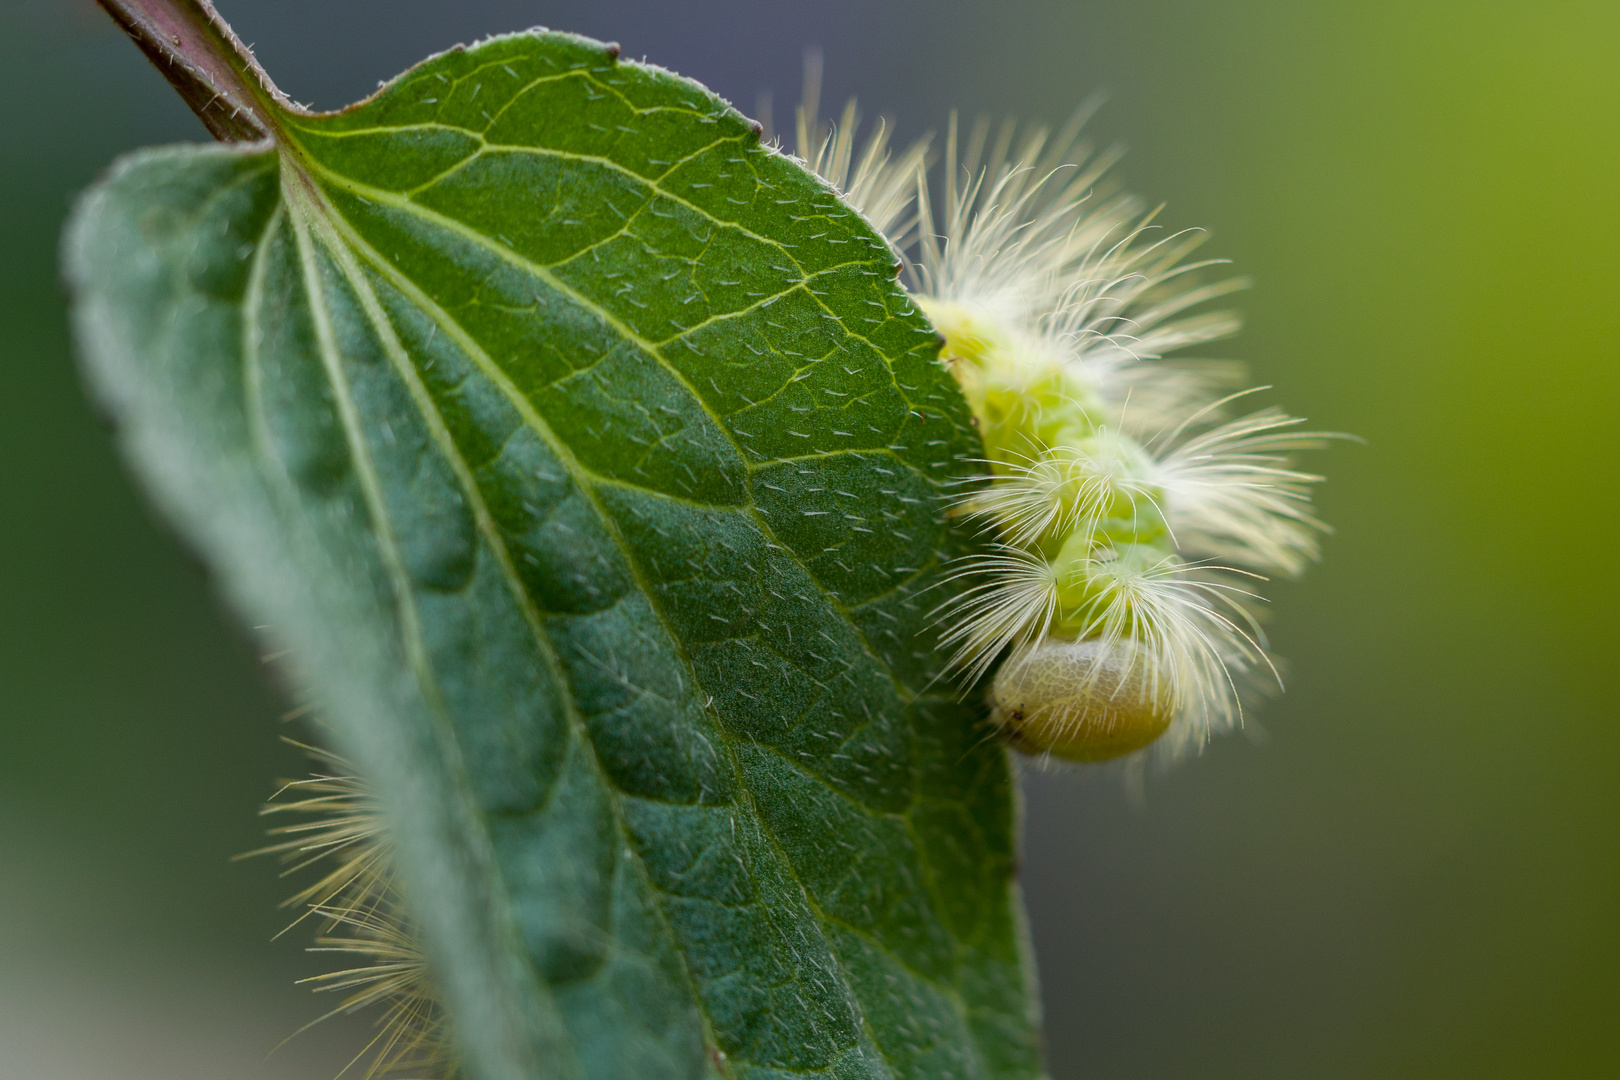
<point x="1081" y="700"/>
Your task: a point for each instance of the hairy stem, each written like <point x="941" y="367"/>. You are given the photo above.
<point x="205" y="61"/>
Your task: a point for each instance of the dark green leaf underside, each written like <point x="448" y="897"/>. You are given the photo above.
<point x="589" y="462"/>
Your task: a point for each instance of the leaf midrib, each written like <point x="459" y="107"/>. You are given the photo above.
<point x="371" y="490"/>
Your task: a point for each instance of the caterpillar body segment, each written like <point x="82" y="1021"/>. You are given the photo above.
<point x="1079" y="700"/>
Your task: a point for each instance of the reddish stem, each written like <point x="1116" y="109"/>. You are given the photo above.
<point x="206" y="62"/>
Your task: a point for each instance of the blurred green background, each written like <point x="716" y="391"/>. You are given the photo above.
<point x="1414" y="873"/>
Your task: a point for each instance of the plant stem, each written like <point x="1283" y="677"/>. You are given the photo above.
<point x="206" y="62"/>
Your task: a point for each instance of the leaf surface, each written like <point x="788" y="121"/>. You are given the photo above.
<point x="589" y="464"/>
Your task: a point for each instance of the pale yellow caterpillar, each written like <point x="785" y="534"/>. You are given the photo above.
<point x="1132" y="514"/>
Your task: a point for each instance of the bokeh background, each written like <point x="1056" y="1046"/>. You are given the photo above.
<point x="1414" y="872"/>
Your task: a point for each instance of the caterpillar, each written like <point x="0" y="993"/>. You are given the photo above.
<point x="1130" y="515"/>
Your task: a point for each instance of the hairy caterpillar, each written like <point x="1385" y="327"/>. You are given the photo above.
<point x="1131" y="515"/>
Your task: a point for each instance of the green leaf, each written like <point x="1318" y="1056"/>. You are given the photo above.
<point x="588" y="464"/>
